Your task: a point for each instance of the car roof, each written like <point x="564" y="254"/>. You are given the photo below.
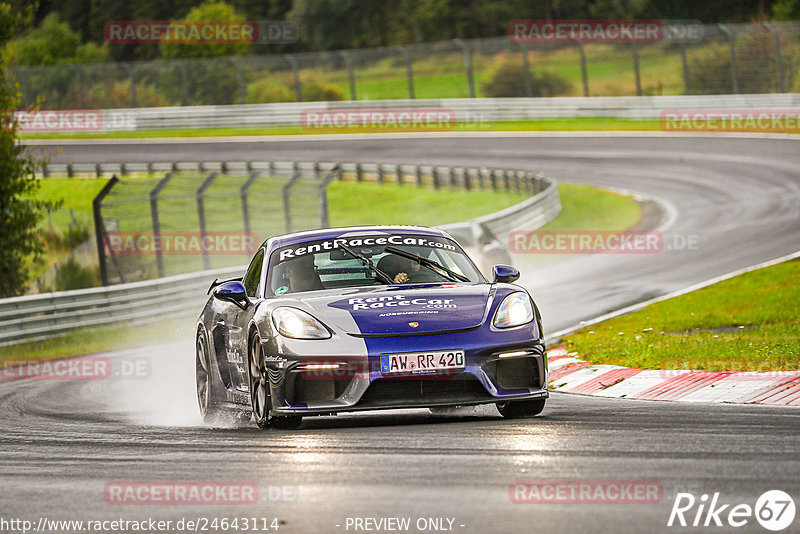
<point x="295" y="238"/>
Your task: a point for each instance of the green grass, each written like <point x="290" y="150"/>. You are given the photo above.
<point x="584" y="207"/>
<point x="351" y="203"/>
<point x="535" y="125"/>
<point x="703" y="329"/>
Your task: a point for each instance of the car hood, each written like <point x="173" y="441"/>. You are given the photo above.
<point x="398" y="310"/>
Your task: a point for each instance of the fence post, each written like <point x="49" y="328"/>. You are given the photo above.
<point x="298" y="90"/>
<point x="774" y="30"/>
<point x="636" y="69"/>
<point x="419" y="175"/>
<point x="399" y="171"/>
<point x="334" y="173"/>
<point x="243" y="192"/>
<point x="201" y="216"/>
<point x="100" y="229"/>
<point x="380" y="173"/>
<point x="155" y="221"/>
<point x="684" y="65"/>
<point x="584" y="72"/>
<point x="409" y="71"/>
<point x="79" y="82"/>
<point x="523" y="47"/>
<point x="287" y="189"/>
<point x="239" y="79"/>
<point x="184" y="82"/>
<point x="132" y="80"/>
<point x="734" y="74"/>
<point x="467" y="65"/>
<point x="435" y="176"/>
<point x="350" y="74"/>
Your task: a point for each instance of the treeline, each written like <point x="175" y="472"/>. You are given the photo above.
<point x="342" y="24"/>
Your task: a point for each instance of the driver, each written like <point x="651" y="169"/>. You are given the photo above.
<point x="303" y="275"/>
<point x="398" y="268"/>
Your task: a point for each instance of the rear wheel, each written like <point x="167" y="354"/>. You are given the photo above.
<point x="204" y="381"/>
<point x="260" y="400"/>
<point x="526" y="408"/>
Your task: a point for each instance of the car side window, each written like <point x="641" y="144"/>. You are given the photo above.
<point x="253" y="275"/>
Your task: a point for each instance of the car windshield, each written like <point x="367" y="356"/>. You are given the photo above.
<point x="364" y="260"/>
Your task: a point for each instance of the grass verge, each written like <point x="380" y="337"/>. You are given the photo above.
<point x="746" y="323"/>
<point x="543" y="125"/>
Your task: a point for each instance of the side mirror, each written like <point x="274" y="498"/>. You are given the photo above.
<point x="232" y="292"/>
<point x="505" y="274"/>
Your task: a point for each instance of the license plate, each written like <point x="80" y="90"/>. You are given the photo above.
<point x="422" y="362"/>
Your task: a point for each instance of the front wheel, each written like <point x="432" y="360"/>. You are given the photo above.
<point x="260" y="399"/>
<point x="526" y="408"/>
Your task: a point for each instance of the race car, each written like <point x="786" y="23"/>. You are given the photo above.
<point x="367" y="318"/>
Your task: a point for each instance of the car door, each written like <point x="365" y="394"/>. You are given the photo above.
<point x="230" y="335"/>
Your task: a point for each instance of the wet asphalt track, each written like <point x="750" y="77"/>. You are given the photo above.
<point x="63" y="441"/>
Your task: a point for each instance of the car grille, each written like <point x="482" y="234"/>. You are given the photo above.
<point x="398" y="392"/>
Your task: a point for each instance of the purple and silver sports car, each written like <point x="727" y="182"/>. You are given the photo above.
<point x="365" y="318"/>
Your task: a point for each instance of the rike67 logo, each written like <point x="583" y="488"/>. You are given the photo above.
<point x="774" y="510"/>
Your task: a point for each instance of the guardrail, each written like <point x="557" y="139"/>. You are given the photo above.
<point x="46" y="315"/>
<point x="473" y="112"/>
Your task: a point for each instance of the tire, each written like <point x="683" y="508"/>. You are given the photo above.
<point x="516" y="409"/>
<point x="204" y="381"/>
<point x="260" y="400"/>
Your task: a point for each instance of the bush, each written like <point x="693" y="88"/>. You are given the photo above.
<point x="508" y="80"/>
<point x="268" y="90"/>
<point x="72" y="275"/>
<point x="109" y="95"/>
<point x="756" y="67"/>
<point x="316" y="91"/>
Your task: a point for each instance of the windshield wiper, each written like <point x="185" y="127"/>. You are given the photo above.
<point x="434" y="266"/>
<point x="368" y="263"/>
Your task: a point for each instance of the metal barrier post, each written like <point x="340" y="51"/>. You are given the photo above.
<point x="99" y="227"/>
<point x="333" y="174"/>
<point x="409" y="71"/>
<point x="286" y="191"/>
<point x="350" y="74"/>
<point x="155" y="221"/>
<point x="239" y="79"/>
<point x="298" y="90"/>
<point x="734" y="74"/>
<point x="523" y="47"/>
<point x="636" y="69"/>
<point x="771" y="28"/>
<point x="184" y="82"/>
<point x="467" y="65"/>
<point x="243" y="192"/>
<point x="584" y="73"/>
<point x="201" y="216"/>
<point x="684" y="66"/>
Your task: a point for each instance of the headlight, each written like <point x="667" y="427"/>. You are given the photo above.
<point x="515" y="310"/>
<point x="298" y="324"/>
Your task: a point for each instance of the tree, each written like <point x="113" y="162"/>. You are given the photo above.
<point x="20" y="239"/>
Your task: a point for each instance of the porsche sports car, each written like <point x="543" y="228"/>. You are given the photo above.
<point x="367" y="318"/>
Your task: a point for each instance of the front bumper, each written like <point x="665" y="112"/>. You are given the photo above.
<point x="500" y="367"/>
